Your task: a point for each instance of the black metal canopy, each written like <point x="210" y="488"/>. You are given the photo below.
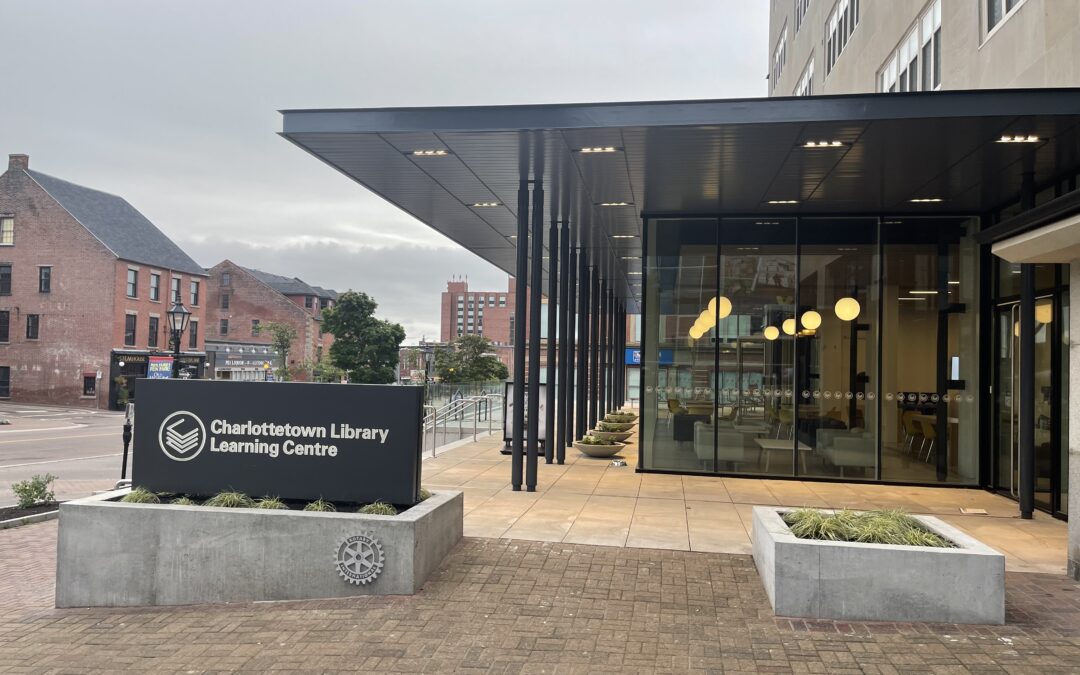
<point x="457" y="169"/>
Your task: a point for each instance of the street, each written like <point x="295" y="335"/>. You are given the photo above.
<point x="82" y="448"/>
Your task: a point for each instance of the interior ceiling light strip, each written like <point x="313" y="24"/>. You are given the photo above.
<point x="624" y="236"/>
<point x="598" y="150"/>
<point x="783" y="201"/>
<point x="615" y="204"/>
<point x="823" y="144"/>
<point x="926" y="200"/>
<point x="482" y="205"/>
<point x="1019" y="139"/>
<point x="437" y="152"/>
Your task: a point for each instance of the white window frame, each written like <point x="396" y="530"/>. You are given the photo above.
<point x="988" y="31"/>
<point x="800" y="13"/>
<point x="805" y="87"/>
<point x="779" y="58"/>
<point x="839" y="27"/>
<point x="915" y="59"/>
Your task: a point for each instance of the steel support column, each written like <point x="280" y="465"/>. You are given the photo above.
<point x="536" y="280"/>
<point x="517" y="430"/>
<point x="572" y="382"/>
<point x="584" y="293"/>
<point x="563" y="329"/>
<point x="594" y="346"/>
<point x="1027" y="389"/>
<point x="602" y="343"/>
<point x="552" y="326"/>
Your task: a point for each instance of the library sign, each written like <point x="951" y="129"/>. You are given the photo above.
<point x="339" y="442"/>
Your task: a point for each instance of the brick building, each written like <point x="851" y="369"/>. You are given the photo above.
<point x="487" y="313"/>
<point x="85" y="284"/>
<point x="241" y="301"/>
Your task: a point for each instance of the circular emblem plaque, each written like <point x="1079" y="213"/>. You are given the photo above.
<point x="359" y="559"/>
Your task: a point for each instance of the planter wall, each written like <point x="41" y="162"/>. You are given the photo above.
<point x="112" y="553"/>
<point x="876" y="582"/>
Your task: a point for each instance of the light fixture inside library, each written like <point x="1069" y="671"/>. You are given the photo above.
<point x="1044" y="311"/>
<point x="811" y="320"/>
<point x="847" y="309"/>
<point x="771" y="332"/>
<point x="823" y="144"/>
<point x="1019" y="138"/>
<point x="789" y="326"/>
<point x="926" y="200"/>
<point x="624" y="236"/>
<point x="435" y="152"/>
<point x="922" y="292"/>
<point x="614" y="203"/>
<point x="783" y="201"/>
<point x="724" y="306"/>
<point x="696" y="332"/>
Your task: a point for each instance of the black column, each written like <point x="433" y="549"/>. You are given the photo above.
<point x="594" y="347"/>
<point x="612" y="335"/>
<point x="602" y="343"/>
<point x="521" y="284"/>
<point x="1027" y="389"/>
<point x="536" y="280"/>
<point x="554" y="307"/>
<point x="571" y="346"/>
<point x="564" y="296"/>
<point x="584" y="293"/>
<point x="620" y="357"/>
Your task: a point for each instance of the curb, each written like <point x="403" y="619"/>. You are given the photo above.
<point x="27" y="520"/>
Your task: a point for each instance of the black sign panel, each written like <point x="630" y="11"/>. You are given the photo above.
<point x="339" y="442"/>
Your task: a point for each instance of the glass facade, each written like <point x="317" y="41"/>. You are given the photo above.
<point x="831" y="348"/>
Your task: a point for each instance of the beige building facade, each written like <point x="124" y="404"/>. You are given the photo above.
<point x="820" y="47"/>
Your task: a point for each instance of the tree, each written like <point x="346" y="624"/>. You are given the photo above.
<point x="324" y="370"/>
<point x="364" y="347"/>
<point x="470" y="358"/>
<point x="282" y="335"/>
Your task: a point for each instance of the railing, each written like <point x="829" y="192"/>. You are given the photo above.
<point x="460" y="419"/>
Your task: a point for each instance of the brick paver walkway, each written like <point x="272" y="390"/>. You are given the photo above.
<point x="512" y="606"/>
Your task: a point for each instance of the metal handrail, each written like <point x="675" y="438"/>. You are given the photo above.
<point x="478" y="408"/>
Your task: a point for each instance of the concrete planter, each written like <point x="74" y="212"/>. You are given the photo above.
<point x="876" y="582"/>
<point x="112" y="554"/>
<point x="612" y="435"/>
<point x="599" y="450"/>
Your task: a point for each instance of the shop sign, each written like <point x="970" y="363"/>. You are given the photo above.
<point x="161" y="367"/>
<point x="508" y="411"/>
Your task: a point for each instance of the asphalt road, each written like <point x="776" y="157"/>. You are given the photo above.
<point x="82" y="448"/>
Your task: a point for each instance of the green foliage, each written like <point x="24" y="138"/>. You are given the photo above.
<point x="282" y="335"/>
<point x="320" y="505"/>
<point x="270" y="503"/>
<point x="34" y="490"/>
<point x="325" y="370"/>
<point x="887" y="526"/>
<point x="378" y="509"/>
<point x="231" y="500"/>
<point x="470" y="358"/>
<point x="613" y="426"/>
<point x="141" y="495"/>
<point x="184" y="500"/>
<point x="364" y="347"/>
<point x="425" y="494"/>
<point x="122" y="393"/>
<point x="595" y="440"/>
<point x="619" y="418"/>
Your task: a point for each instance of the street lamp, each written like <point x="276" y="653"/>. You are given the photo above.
<point x="178" y="321"/>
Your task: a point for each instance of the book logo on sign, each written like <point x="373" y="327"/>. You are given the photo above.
<point x="182" y="436"/>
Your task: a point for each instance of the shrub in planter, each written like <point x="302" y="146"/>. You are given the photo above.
<point x="598" y="447"/>
<point x="619" y="418"/>
<point x="141" y="495"/>
<point x="424" y="493"/>
<point x="378" y="509"/>
<point x="231" y="500"/>
<point x="184" y="501"/>
<point x="320" y="505"/>
<point x="270" y="503"/>
<point x="34" y="490"/>
<point x="610" y="435"/>
<point x="889" y="526"/>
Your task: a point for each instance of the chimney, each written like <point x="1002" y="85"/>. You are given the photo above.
<point x="18" y="161"/>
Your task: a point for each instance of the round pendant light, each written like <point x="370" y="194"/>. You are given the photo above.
<point x="847" y="309"/>
<point x="696" y="332"/>
<point x="811" y="320"/>
<point x="771" y="332"/>
<point x="706" y="319"/>
<point x="723" y="307"/>
<point x="1044" y="311"/>
<point x="789" y="326"/>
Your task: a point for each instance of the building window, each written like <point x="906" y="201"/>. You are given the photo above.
<point x="5" y="325"/>
<point x="155" y="286"/>
<point x="7" y="231"/>
<point x="902" y="70"/>
<point x="193" y="335"/>
<point x="324" y="303"/>
<point x="224" y="300"/>
<point x="999" y="10"/>
<point x="806" y="81"/>
<point x="223" y="327"/>
<point x="491" y="301"/>
<point x="133" y="283"/>
<point x="152" y="335"/>
<point x="5" y="382"/>
<point x="129" y="330"/>
<point x="194" y="293"/>
<point x="255" y="327"/>
<point x="226" y="279"/>
<point x="44" y="282"/>
<point x="800" y="12"/>
<point x="838" y="29"/>
<point x="175" y="288"/>
<point x="502" y="301"/>
<point x="308" y="301"/>
<point x="5" y="279"/>
<point x="779" y="58"/>
<point x="89" y="385"/>
<point x="33" y="326"/>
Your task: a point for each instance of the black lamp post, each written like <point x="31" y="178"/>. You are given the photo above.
<point x="178" y="322"/>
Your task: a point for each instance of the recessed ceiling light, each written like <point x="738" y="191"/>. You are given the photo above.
<point x="636" y="274"/>
<point x="631" y="257"/>
<point x="513" y="236"/>
<point x="783" y="201"/>
<point x="1031" y="138"/>
<point x="624" y="236"/>
<point x="615" y="204"/>
<point x="916" y="299"/>
<point x="922" y="292"/>
<point x="482" y="205"/>
<point x="926" y="200"/>
<point x="954" y="283"/>
<point x="598" y="149"/>
<point x="437" y="152"/>
<point x="823" y="144"/>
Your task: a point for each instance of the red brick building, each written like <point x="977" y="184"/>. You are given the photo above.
<point x="85" y="284"/>
<point x="241" y="301"/>
<point x="487" y="313"/>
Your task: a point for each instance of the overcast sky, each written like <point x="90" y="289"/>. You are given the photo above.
<point x="174" y="107"/>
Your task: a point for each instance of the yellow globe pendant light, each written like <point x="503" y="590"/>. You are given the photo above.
<point x="847" y="309"/>
<point x="696" y="332"/>
<point x="771" y="332"/>
<point x="811" y="320"/>
<point x="789" y="326"/>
